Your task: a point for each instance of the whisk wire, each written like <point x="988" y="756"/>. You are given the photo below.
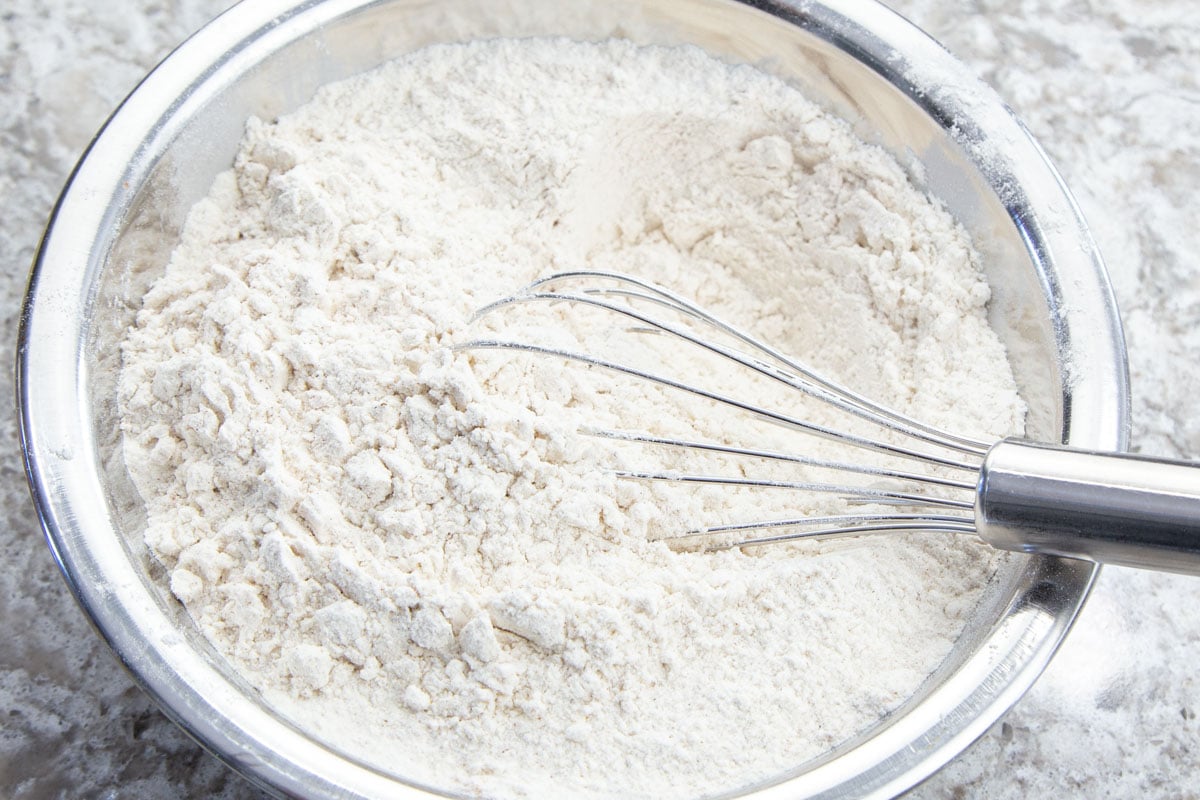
<point x="794" y="458"/>
<point x="927" y="497"/>
<point x="795" y="423"/>
<point x="835" y="529"/>
<point x="804" y="378"/>
<point x="859" y="493"/>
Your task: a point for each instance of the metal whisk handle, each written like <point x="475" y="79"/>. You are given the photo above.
<point x="1103" y="507"/>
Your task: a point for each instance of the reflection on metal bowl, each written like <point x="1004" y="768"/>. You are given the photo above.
<point x="120" y="216"/>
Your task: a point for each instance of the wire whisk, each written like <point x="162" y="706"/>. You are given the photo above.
<point x="1014" y="494"/>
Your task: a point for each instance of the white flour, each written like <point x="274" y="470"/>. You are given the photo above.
<point x="410" y="550"/>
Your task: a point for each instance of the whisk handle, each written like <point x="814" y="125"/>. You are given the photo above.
<point x="1103" y="507"/>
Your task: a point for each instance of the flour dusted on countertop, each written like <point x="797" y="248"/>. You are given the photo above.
<point x="412" y="552"/>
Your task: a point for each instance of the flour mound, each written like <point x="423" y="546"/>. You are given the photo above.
<point x="413" y="552"/>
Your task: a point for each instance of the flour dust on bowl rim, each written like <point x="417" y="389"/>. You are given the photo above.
<point x="120" y="216"/>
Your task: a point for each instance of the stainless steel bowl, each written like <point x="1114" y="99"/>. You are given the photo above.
<point x="120" y="215"/>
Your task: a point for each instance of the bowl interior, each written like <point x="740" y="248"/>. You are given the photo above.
<point x="162" y="150"/>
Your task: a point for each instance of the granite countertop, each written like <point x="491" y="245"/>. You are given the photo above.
<point x="1111" y="90"/>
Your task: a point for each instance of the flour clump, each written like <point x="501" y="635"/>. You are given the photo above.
<point x="412" y="550"/>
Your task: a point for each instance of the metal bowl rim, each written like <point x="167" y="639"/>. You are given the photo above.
<point x="59" y="449"/>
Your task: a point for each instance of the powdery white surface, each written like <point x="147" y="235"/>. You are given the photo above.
<point x="1112" y="92"/>
<point x="73" y="723"/>
<point x="1114" y="715"/>
<point x="409" y="549"/>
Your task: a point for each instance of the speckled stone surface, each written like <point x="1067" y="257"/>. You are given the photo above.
<point x="1111" y="90"/>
